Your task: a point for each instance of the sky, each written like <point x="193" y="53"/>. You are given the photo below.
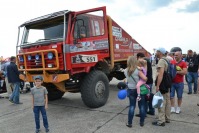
<point x="153" y="23"/>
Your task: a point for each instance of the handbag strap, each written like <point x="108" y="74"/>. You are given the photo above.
<point x="133" y="78"/>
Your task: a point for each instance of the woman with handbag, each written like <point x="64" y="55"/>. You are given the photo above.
<point x="132" y="77"/>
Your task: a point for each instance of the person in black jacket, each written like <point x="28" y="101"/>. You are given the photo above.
<point x="192" y="73"/>
<point x="13" y="78"/>
<point x="149" y="82"/>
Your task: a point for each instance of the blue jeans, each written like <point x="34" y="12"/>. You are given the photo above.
<point x="178" y="87"/>
<point x="132" y="94"/>
<point x="192" y="76"/>
<point x="149" y="103"/>
<point x="37" y="110"/>
<point x="15" y="94"/>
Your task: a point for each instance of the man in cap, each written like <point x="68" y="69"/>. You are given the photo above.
<point x="164" y="112"/>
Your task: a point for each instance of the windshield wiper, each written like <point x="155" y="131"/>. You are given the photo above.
<point x="40" y="40"/>
<point x="26" y="42"/>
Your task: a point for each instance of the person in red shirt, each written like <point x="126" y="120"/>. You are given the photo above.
<point x="178" y="82"/>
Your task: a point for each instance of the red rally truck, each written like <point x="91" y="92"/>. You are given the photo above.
<point x="75" y="52"/>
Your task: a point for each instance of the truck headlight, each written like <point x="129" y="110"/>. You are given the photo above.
<point x="21" y="59"/>
<point x="37" y="57"/>
<point x="50" y="55"/>
<point x="29" y="57"/>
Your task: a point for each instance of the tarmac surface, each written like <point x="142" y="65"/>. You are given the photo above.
<point x="70" y="115"/>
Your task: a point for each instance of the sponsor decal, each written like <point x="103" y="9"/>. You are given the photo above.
<point x="103" y="44"/>
<point x="123" y="50"/>
<point x="89" y="46"/>
<point x="136" y="46"/>
<point x="121" y="39"/>
<point x="117" y="31"/>
<point x="117" y="46"/>
<point x="55" y="77"/>
<point x="117" y="55"/>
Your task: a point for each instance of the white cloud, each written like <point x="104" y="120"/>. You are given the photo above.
<point x="161" y="27"/>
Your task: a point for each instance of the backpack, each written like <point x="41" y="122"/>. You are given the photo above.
<point x="172" y="69"/>
<point x="167" y="78"/>
<point x="166" y="83"/>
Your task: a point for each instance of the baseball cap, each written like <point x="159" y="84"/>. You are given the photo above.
<point x="162" y="50"/>
<point x="38" y="77"/>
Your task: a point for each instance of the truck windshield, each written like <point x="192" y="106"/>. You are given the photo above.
<point x="44" y="31"/>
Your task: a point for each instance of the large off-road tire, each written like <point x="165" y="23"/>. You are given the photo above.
<point x="53" y="92"/>
<point x="95" y="89"/>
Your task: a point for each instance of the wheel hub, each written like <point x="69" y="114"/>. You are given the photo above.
<point x="99" y="89"/>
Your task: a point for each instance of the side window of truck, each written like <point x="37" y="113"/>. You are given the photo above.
<point x="92" y="23"/>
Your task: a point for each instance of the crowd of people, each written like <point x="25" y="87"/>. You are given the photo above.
<point x="137" y="74"/>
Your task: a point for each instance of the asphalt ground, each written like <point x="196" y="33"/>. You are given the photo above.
<point x="70" y="115"/>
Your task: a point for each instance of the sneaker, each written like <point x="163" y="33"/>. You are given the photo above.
<point x="11" y="101"/>
<point x="129" y="125"/>
<point x="142" y="124"/>
<point x="168" y="121"/>
<point x="18" y="103"/>
<point x="178" y="110"/>
<point x="173" y="110"/>
<point x="150" y="113"/>
<point x="37" y="130"/>
<point x="47" y="130"/>
<point x="138" y="115"/>
<point x="195" y="92"/>
<point x="189" y="93"/>
<point x="155" y="123"/>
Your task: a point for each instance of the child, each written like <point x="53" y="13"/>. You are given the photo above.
<point x="39" y="103"/>
<point x="142" y="65"/>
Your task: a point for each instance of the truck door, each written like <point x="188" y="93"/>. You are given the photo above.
<point x="89" y="37"/>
